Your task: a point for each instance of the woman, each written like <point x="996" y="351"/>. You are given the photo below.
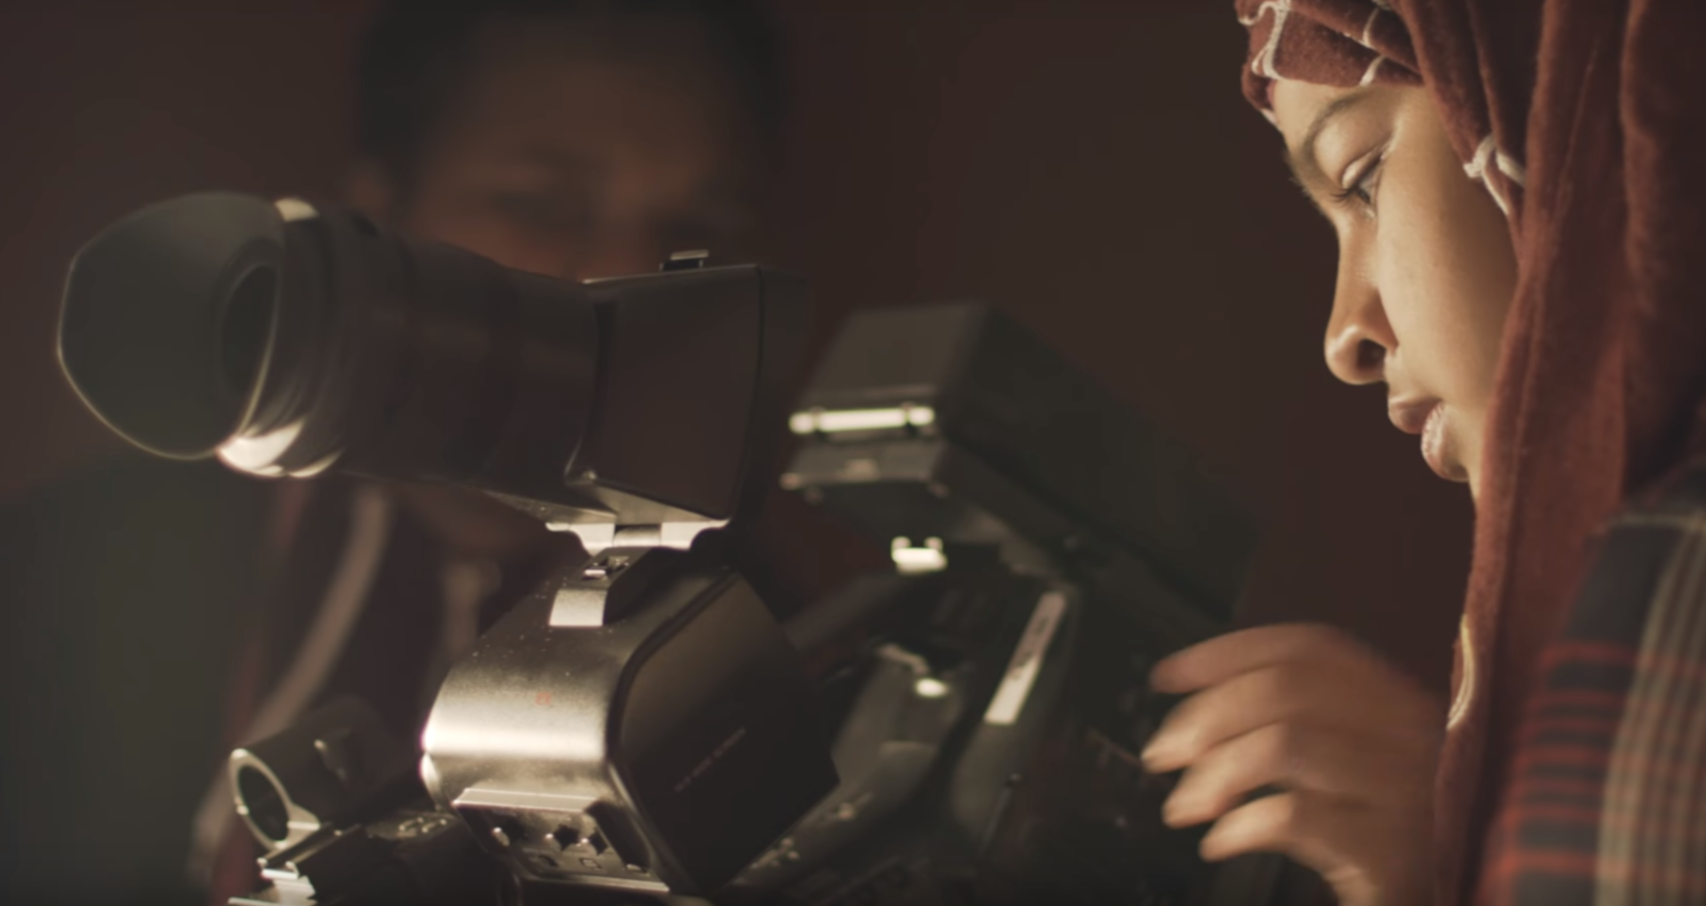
<point x="1518" y="191"/>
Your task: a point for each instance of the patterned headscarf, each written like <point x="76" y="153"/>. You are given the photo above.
<point x="1583" y="119"/>
<point x="1364" y="42"/>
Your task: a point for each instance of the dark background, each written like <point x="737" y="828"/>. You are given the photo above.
<point x="1088" y="165"/>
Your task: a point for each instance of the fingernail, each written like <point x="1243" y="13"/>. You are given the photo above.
<point x="1161" y="672"/>
<point x="1209" y="849"/>
<point x="1176" y="813"/>
<point x="1216" y="845"/>
<point x="1162" y="752"/>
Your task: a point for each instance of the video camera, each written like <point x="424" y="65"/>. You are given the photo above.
<point x="642" y="728"/>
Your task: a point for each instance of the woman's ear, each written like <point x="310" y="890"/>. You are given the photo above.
<point x="370" y="189"/>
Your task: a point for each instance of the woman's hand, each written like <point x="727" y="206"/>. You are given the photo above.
<point x="1349" y="742"/>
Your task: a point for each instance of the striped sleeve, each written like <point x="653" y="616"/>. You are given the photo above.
<point x="1607" y="802"/>
<point x="1652" y="836"/>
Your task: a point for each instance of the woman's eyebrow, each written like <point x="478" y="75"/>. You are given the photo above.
<point x="1301" y="159"/>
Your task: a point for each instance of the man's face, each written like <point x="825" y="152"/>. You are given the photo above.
<point x="575" y="156"/>
<point x="578" y="159"/>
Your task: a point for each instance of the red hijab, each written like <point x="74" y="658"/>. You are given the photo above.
<point x="1586" y="120"/>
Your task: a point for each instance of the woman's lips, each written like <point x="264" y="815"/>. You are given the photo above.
<point x="1433" y="445"/>
<point x="1427" y="418"/>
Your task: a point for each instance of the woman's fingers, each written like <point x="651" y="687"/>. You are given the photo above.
<point x="1226" y="656"/>
<point x="1370" y="857"/>
<point x="1343" y="764"/>
<point x="1371" y="699"/>
<point x="1349" y="739"/>
<point x="1249" y="650"/>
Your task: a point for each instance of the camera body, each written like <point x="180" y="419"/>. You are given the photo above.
<point x="658" y="750"/>
<point x="1049" y="547"/>
<point x="613" y="730"/>
<point x="641" y="728"/>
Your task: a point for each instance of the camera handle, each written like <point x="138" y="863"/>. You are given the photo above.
<point x="639" y="699"/>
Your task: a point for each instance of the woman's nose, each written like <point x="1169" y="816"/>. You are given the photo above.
<point x="1359" y="338"/>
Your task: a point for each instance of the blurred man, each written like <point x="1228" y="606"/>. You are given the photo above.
<point x="572" y="138"/>
<point x="577" y="139"/>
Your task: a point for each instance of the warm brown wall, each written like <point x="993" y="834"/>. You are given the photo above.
<point x="1086" y="164"/>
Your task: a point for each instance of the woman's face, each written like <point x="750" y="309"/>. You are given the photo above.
<point x="1426" y="267"/>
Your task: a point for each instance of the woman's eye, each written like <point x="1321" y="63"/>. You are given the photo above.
<point x="1363" y="186"/>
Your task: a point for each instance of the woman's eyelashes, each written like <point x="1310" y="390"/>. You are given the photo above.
<point x="1362" y="183"/>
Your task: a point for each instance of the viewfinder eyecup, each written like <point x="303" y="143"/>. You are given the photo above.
<point x="168" y="318"/>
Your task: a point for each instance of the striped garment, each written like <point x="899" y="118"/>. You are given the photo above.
<point x="1606" y="802"/>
